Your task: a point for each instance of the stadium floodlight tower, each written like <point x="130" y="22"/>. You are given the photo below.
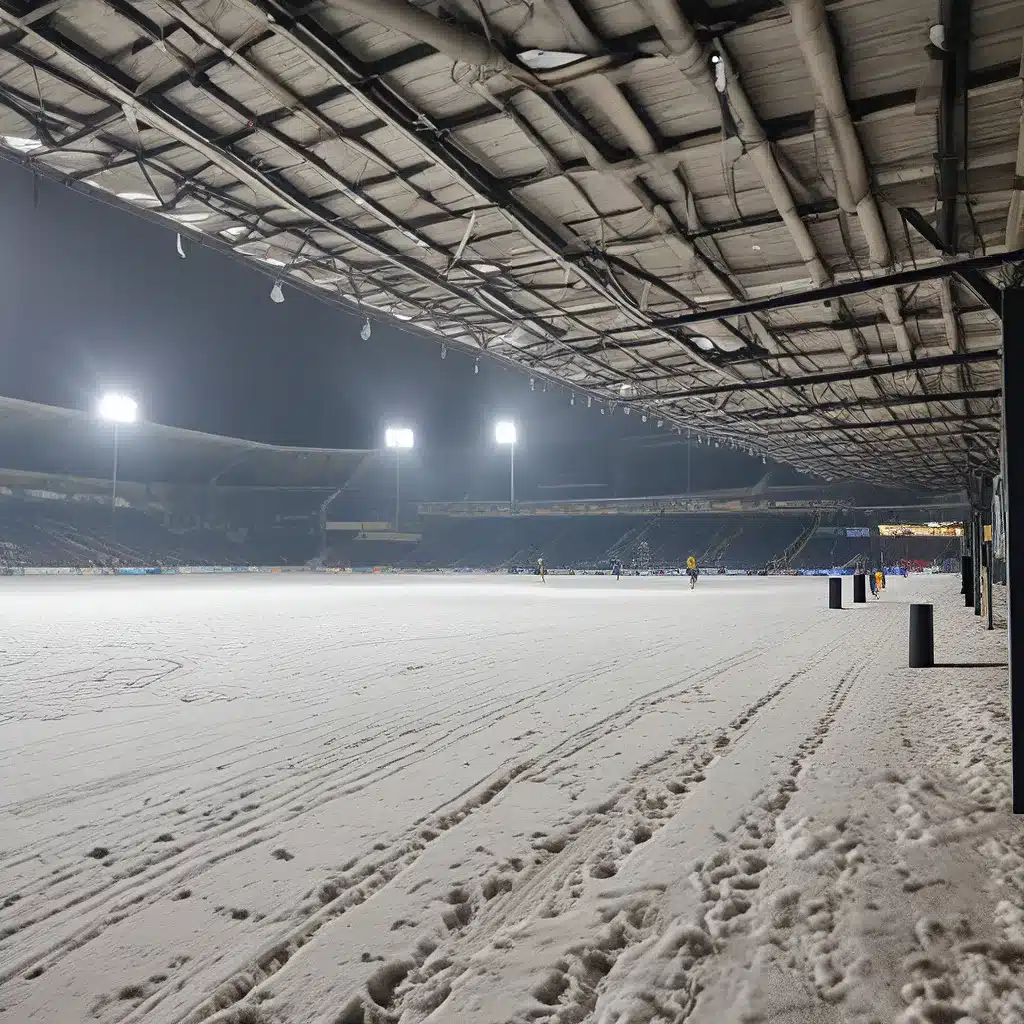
<point x="505" y="433"/>
<point x="398" y="438"/>
<point x="117" y="409"/>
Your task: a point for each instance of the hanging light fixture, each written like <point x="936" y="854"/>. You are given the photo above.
<point x="364" y="331"/>
<point x="276" y="293"/>
<point x="444" y="351"/>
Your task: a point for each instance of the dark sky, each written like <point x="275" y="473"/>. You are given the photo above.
<point x="94" y="298"/>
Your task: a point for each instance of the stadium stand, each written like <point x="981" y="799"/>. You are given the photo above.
<point x="186" y="498"/>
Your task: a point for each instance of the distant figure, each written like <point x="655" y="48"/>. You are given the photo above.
<point x="541" y="571"/>
<point x="877" y="583"/>
<point x="617" y="569"/>
<point x="691" y="571"/>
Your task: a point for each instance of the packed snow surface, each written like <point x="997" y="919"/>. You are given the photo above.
<point x="356" y="800"/>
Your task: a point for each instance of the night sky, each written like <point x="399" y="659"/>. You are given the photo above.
<point x="96" y="299"/>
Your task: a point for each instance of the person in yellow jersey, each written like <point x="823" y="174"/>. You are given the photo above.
<point x="879" y="582"/>
<point x="541" y="570"/>
<point x="691" y="571"/>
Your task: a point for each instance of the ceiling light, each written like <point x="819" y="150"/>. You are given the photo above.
<point x="273" y="261"/>
<point x="704" y="344"/>
<point x="190" y="218"/>
<point x="548" y="60"/>
<point x="485" y="268"/>
<point x="364" y="331"/>
<point x="756" y="247"/>
<point x="232" y="233"/>
<point x="276" y="293"/>
<point x="140" y="198"/>
<point x="623" y="389"/>
<point x="20" y="144"/>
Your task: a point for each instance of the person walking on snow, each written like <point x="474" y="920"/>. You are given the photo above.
<point x="691" y="571"/>
<point x="541" y="571"/>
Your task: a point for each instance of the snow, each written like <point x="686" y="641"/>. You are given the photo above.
<point x="355" y="800"/>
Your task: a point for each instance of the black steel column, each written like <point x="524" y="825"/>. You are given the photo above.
<point x="989" y="570"/>
<point x="976" y="518"/>
<point x="859" y="588"/>
<point x="922" y="636"/>
<point x="835" y="592"/>
<point x="1013" y="493"/>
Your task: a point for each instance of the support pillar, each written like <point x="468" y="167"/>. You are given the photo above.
<point x="989" y="570"/>
<point x="835" y="592"/>
<point x="968" y="569"/>
<point x="976" y="519"/>
<point x="860" y="588"/>
<point x="1013" y="496"/>
<point x="922" y="636"/>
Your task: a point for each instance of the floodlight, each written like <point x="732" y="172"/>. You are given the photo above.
<point x="118" y="408"/>
<point x="398" y="437"/>
<point x="505" y="432"/>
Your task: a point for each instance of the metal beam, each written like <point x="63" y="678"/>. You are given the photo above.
<point x="974" y="279"/>
<point x="913" y="421"/>
<point x="956" y="22"/>
<point x="838" y="291"/>
<point x="838" y="376"/>
<point x="885" y="402"/>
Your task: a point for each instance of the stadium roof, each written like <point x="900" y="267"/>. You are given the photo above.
<point x="572" y="184"/>
<point x="53" y="440"/>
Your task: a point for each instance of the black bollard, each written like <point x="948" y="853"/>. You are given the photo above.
<point x="922" y="636"/>
<point x="835" y="592"/>
<point x="967" y="562"/>
<point x="965" y="573"/>
<point x="860" y="589"/>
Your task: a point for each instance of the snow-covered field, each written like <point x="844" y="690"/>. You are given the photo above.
<point x="487" y="800"/>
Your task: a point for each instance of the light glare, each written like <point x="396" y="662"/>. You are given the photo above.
<point x="505" y="432"/>
<point x="398" y="437"/>
<point x="118" y="408"/>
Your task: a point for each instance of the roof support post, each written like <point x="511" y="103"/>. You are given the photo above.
<point x="1013" y="496"/>
<point x="956" y="23"/>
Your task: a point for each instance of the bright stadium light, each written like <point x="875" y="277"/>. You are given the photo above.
<point x="505" y="433"/>
<point x="398" y="438"/>
<point x="118" y="408"/>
